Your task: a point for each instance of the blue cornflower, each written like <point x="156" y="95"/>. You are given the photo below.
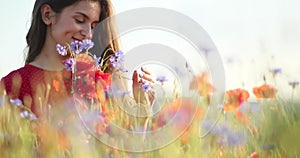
<point x="87" y="44"/>
<point x="227" y="135"/>
<point x="113" y="61"/>
<point x="146" y="87"/>
<point x="17" y="102"/>
<point x="275" y="71"/>
<point x="69" y="64"/>
<point x="119" y="55"/>
<point x="161" y="79"/>
<point x="61" y="50"/>
<point x="116" y="61"/>
<point x="97" y="60"/>
<point x="122" y="68"/>
<point x="76" y="47"/>
<point x="27" y="115"/>
<point x="219" y="129"/>
<point x="294" y="84"/>
<point x="233" y="138"/>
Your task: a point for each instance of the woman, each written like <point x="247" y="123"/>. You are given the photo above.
<point x="42" y="84"/>
<point x="53" y="22"/>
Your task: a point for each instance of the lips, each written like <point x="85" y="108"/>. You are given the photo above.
<point x="75" y="39"/>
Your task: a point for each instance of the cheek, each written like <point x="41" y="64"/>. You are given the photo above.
<point x="69" y="28"/>
<point x="64" y="31"/>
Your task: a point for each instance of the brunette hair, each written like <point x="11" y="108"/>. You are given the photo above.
<point x="37" y="32"/>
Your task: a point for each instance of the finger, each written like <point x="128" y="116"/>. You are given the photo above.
<point x="147" y="78"/>
<point x="135" y="78"/>
<point x="135" y="85"/>
<point x="145" y="71"/>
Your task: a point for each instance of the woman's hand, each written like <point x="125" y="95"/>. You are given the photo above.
<point x="142" y="94"/>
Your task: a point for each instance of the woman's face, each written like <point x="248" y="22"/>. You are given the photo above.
<point x="75" y="22"/>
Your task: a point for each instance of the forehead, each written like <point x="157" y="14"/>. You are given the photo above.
<point x="90" y="8"/>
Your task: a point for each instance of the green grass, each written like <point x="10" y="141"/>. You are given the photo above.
<point x="273" y="131"/>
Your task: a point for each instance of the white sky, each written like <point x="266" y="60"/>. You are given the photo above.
<point x="255" y="34"/>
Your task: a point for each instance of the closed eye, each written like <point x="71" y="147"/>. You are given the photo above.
<point x="80" y="21"/>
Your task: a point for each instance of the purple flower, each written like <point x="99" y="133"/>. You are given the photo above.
<point x="275" y="71"/>
<point x="161" y="79"/>
<point x="27" y="115"/>
<point x="97" y="60"/>
<point x="119" y="55"/>
<point x="146" y="87"/>
<point x="232" y="139"/>
<point x="76" y="47"/>
<point x="87" y="44"/>
<point x="206" y="50"/>
<point x="227" y="135"/>
<point x="215" y="129"/>
<point x="294" y="84"/>
<point x="113" y="62"/>
<point x="17" y="102"/>
<point x="122" y="68"/>
<point x="61" y="50"/>
<point x="116" y="61"/>
<point x="69" y="64"/>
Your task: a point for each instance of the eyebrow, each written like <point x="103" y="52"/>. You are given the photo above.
<point x="87" y="17"/>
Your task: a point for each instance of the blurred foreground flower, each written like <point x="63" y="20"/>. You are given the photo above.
<point x="202" y="85"/>
<point x="254" y="155"/>
<point x="180" y="113"/>
<point x="17" y="102"/>
<point x="88" y="77"/>
<point x="223" y="134"/>
<point x="234" y="99"/>
<point x="264" y="91"/>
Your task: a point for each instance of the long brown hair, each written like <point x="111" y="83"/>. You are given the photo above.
<point x="37" y="32"/>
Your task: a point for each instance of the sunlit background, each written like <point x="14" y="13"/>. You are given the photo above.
<point x="252" y="36"/>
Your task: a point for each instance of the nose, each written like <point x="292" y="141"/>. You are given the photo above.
<point x="87" y="32"/>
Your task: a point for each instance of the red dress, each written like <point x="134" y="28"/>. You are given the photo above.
<point x="37" y="87"/>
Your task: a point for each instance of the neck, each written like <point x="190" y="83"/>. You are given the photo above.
<point x="49" y="59"/>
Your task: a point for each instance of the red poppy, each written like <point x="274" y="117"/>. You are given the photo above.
<point x="87" y="75"/>
<point x="264" y="91"/>
<point x="254" y="155"/>
<point x="104" y="78"/>
<point x="241" y="117"/>
<point x="180" y="111"/>
<point x="235" y="98"/>
<point x="201" y="83"/>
